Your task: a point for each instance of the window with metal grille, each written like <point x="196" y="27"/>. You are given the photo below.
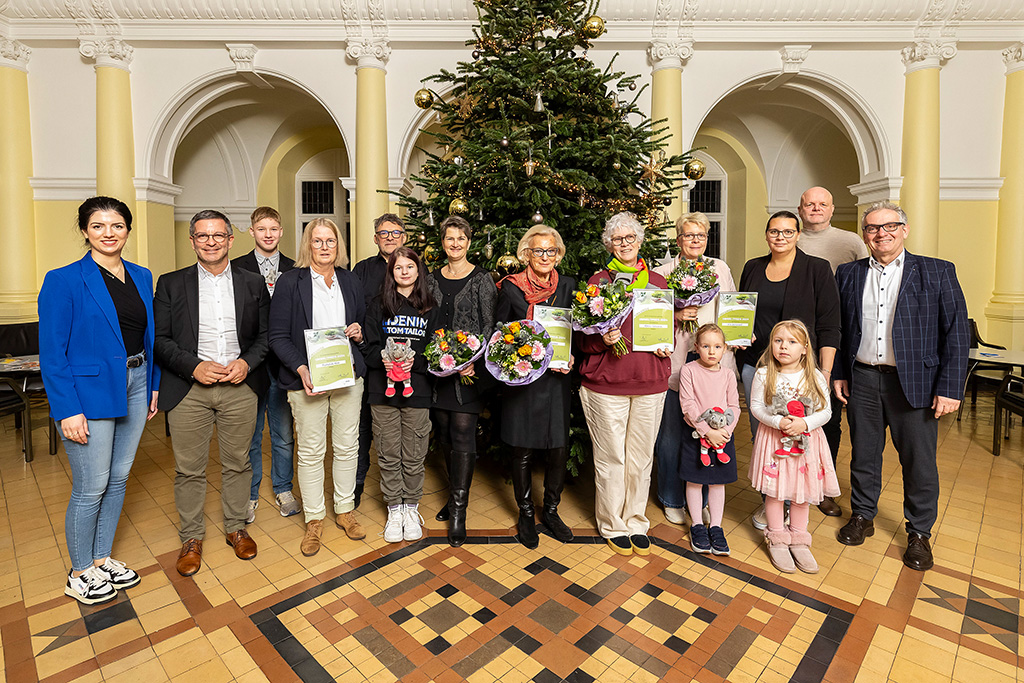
<point x="706" y="196"/>
<point x="318" y="197"/>
<point x="714" y="248"/>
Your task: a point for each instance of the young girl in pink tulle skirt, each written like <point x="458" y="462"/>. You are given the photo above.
<point x="789" y="397"/>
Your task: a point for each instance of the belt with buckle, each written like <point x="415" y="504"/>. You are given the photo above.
<point x="136" y="360"/>
<point x="884" y="369"/>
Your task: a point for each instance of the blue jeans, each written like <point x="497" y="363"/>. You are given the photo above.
<point x="99" y="476"/>
<point x="282" y="466"/>
<point x="671" y="489"/>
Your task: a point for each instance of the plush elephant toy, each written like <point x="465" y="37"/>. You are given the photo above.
<point x="801" y="407"/>
<point x="716" y="418"/>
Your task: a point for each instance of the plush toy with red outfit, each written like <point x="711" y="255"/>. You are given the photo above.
<point x="398" y="352"/>
<point x="801" y="407"/>
<point x="716" y="418"/>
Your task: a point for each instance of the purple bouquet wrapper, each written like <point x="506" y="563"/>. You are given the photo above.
<point x="698" y="299"/>
<point x="499" y="374"/>
<point x="610" y="324"/>
<point x="458" y="368"/>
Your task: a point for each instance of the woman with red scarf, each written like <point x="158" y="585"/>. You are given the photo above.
<point x="535" y="417"/>
<point x="623" y="398"/>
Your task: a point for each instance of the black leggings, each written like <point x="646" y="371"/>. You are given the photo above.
<point x="458" y="429"/>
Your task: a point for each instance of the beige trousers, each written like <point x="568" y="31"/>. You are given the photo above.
<point x="232" y="408"/>
<point x="623" y="430"/>
<point x="310" y="414"/>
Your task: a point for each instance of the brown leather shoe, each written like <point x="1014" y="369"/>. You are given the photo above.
<point x="856" y="530"/>
<point x="245" y="547"/>
<point x="311" y="541"/>
<point x="190" y="559"/>
<point x="919" y="552"/>
<point x="348" y="522"/>
<point x="830" y="507"/>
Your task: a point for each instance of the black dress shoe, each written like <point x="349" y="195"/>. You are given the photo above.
<point x="830" y="507"/>
<point x="856" y="530"/>
<point x="919" y="552"/>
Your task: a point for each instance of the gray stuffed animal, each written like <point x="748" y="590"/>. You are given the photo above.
<point x="398" y="352"/>
<point x="800" y="406"/>
<point x="716" y="418"/>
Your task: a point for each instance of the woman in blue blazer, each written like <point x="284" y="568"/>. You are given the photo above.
<point x="95" y="353"/>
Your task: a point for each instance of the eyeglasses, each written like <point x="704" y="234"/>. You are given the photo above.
<point x="624" y="239"/>
<point x="384" y="234"/>
<point x="551" y="252"/>
<point x="871" y="229"/>
<point x="694" y="237"/>
<point x="330" y="243"/>
<point x="787" y="233"/>
<point x="217" y="237"/>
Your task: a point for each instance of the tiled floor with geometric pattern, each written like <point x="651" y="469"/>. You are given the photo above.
<point x="494" y="611"/>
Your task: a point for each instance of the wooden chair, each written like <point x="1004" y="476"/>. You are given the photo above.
<point x="1009" y="399"/>
<point x="22" y="339"/>
<point x="14" y="401"/>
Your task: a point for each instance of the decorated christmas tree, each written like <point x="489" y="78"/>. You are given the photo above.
<point x="533" y="132"/>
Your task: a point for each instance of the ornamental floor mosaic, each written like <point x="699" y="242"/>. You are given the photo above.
<point x="494" y="611"/>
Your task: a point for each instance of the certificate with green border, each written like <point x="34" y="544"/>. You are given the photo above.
<point x="330" y="358"/>
<point x="736" y="311"/>
<point x="653" y="319"/>
<point x="558" y="323"/>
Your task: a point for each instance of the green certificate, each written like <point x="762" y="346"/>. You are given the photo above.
<point x="736" y="316"/>
<point x="653" y="319"/>
<point x="330" y="358"/>
<point x="558" y="323"/>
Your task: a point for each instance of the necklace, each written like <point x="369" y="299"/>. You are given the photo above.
<point x="456" y="275"/>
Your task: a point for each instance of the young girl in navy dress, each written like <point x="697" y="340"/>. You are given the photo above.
<point x="703" y="386"/>
<point x="787" y="373"/>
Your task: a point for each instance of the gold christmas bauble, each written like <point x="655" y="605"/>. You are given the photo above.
<point x="594" y="27"/>
<point x="458" y="205"/>
<point x="423" y="98"/>
<point x="694" y="169"/>
<point x="428" y="253"/>
<point x="508" y="262"/>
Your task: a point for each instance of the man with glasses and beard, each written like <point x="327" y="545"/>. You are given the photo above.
<point x="901" y="365"/>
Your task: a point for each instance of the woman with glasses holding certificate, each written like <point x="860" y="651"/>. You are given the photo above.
<point x="320" y="297"/>
<point x="789" y="285"/>
<point x="535" y="417"/>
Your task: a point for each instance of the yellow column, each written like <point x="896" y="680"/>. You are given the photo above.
<point x="371" y="142"/>
<point x="17" y="216"/>
<point x="919" y="195"/>
<point x="115" y="139"/>
<point x="667" y="60"/>
<point x="1005" y="313"/>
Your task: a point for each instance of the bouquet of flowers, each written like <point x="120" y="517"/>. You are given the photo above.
<point x="695" y="283"/>
<point x="602" y="307"/>
<point x="519" y="352"/>
<point x="452" y="350"/>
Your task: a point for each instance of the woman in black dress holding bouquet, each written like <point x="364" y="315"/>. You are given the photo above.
<point x="465" y="294"/>
<point x="535" y="417"/>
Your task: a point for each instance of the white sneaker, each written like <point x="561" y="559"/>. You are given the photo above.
<point x="90" y="587"/>
<point x="412" y="522"/>
<point x="393" y="527"/>
<point x="760" y="519"/>
<point x="250" y="516"/>
<point x="289" y="506"/>
<point x="705" y="515"/>
<point x="675" y="515"/>
<point x="118" y="575"/>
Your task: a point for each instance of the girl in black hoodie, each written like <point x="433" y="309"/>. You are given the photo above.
<point x="406" y="312"/>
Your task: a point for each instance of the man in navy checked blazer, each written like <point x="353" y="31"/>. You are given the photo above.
<point x="901" y="365"/>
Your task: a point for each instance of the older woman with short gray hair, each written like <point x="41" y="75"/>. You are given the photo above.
<point x="623" y="398"/>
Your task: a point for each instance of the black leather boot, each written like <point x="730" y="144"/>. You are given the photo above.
<point x="522" y="486"/>
<point x="554" y="482"/>
<point x="446" y="451"/>
<point x="460" y="474"/>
